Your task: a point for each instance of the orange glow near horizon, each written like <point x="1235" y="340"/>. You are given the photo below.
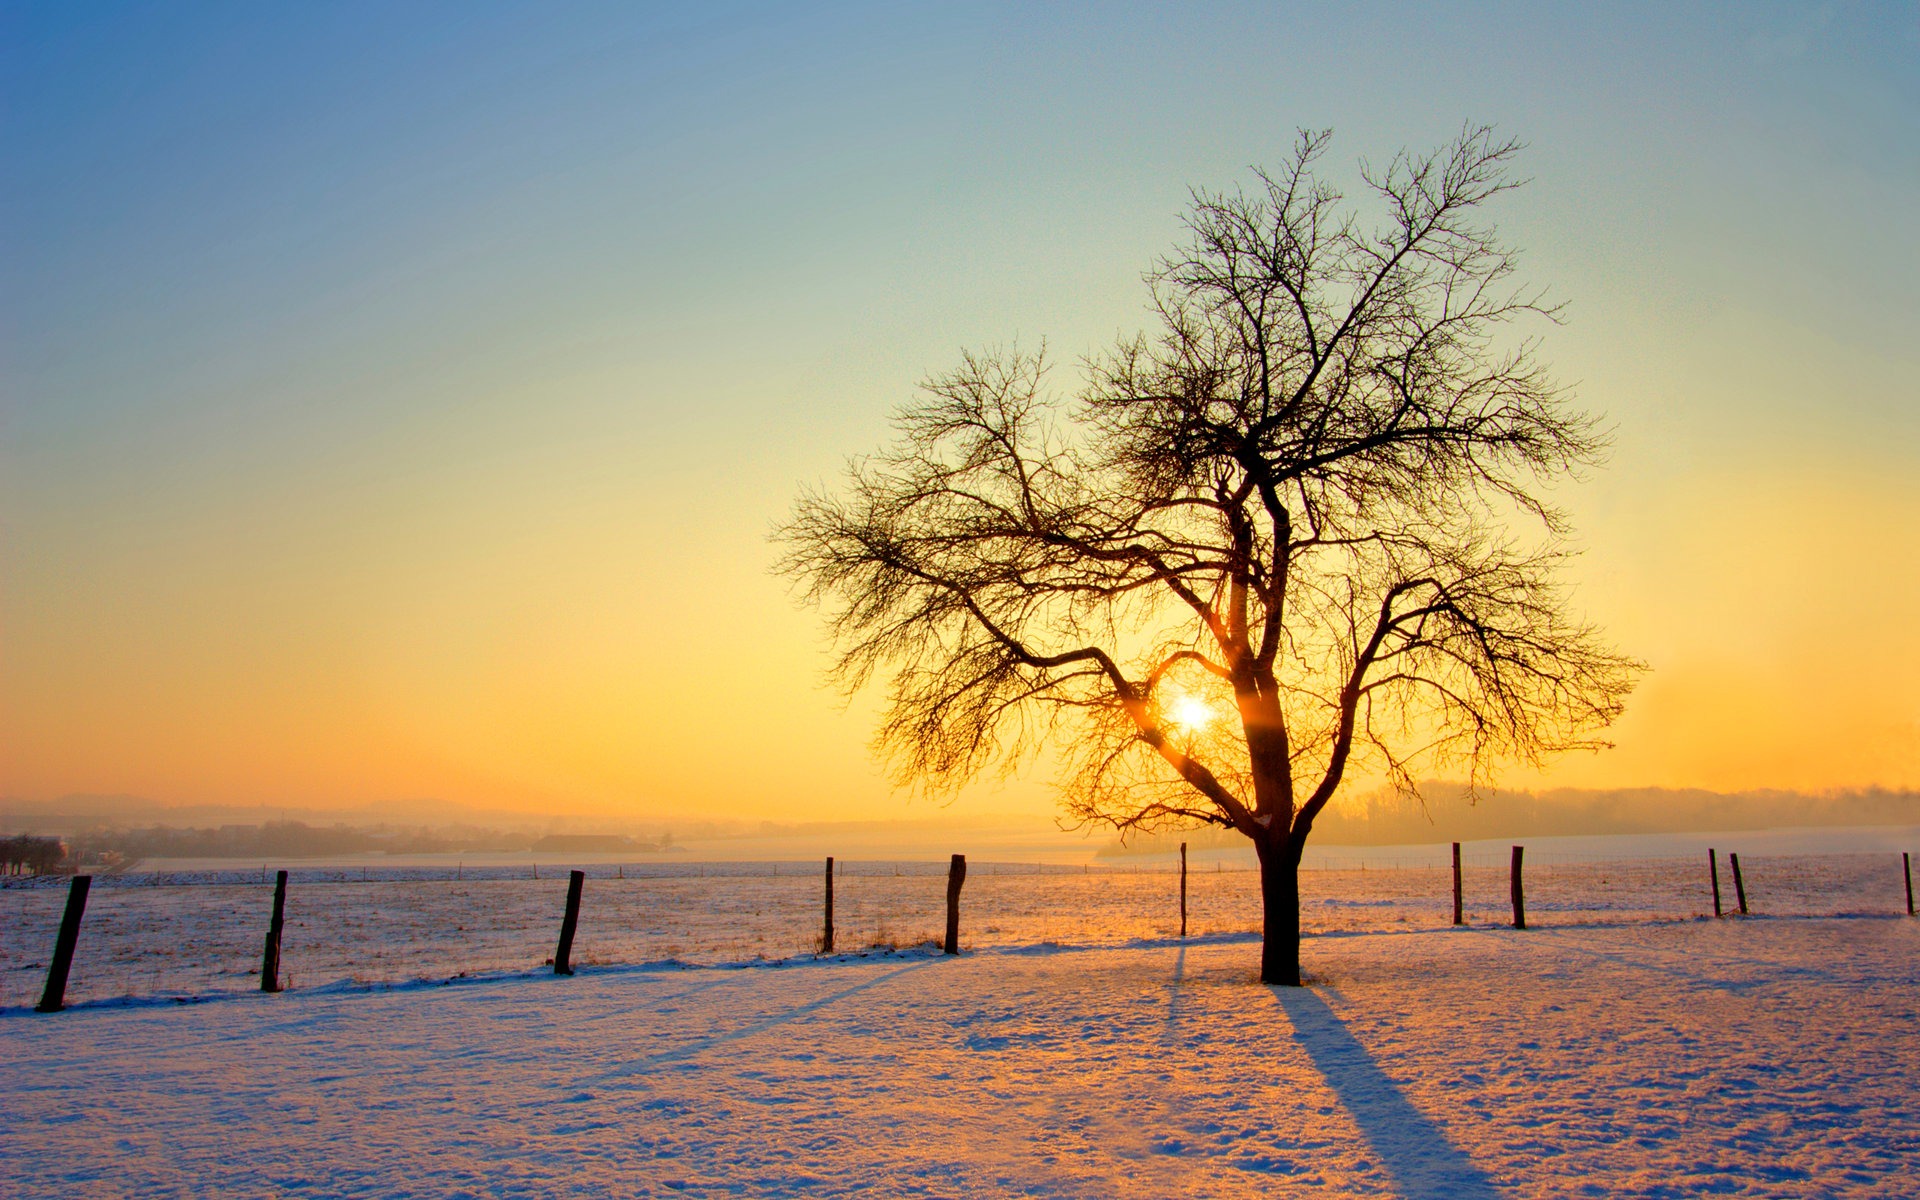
<point x="582" y="687"/>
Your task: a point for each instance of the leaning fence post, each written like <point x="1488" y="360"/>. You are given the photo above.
<point x="1906" y="868"/>
<point x="1739" y="885"/>
<point x="270" y="960"/>
<point x="1458" y="915"/>
<point x="1713" y="873"/>
<point x="956" y="875"/>
<point x="1183" y="889"/>
<point x="54" y="998"/>
<point x="1519" y="893"/>
<point x="826" y="935"/>
<point x="562" y="958"/>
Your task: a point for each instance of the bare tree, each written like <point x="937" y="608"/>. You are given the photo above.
<point x="1270" y="545"/>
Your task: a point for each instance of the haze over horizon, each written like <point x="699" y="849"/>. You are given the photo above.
<point x="394" y="403"/>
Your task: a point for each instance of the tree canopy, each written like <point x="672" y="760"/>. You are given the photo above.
<point x="1300" y="526"/>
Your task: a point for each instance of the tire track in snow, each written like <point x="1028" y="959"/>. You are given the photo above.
<point x="1693" y="966"/>
<point x="752" y="1029"/>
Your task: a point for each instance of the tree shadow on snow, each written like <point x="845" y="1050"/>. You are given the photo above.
<point x="1173" y="997"/>
<point x="1415" y="1151"/>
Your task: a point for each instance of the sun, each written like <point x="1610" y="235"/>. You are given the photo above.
<point x="1190" y="713"/>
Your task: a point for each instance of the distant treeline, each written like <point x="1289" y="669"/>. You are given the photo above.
<point x="1448" y="812"/>
<point x="27" y="855"/>
<point x="576" y="843"/>
<point x="296" y="839"/>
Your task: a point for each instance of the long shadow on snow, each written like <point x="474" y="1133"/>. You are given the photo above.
<point x="701" y="1045"/>
<point x="1414" y="1150"/>
<point x="1174" y="997"/>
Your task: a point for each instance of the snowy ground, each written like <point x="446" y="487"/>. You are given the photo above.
<point x="1768" y="1057"/>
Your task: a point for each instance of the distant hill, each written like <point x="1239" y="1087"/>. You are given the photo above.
<point x="592" y="843"/>
<point x="1446" y="812"/>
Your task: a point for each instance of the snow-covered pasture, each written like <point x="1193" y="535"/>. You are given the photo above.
<point x="1764" y="1057"/>
<point x="199" y="934"/>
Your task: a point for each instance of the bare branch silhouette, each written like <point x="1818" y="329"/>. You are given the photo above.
<point x="1298" y="500"/>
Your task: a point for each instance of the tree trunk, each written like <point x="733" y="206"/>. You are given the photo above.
<point x="1280" y="908"/>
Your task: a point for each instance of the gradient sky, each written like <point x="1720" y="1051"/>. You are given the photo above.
<point x="395" y="399"/>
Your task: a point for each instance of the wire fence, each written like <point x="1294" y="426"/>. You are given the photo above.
<point x="190" y="934"/>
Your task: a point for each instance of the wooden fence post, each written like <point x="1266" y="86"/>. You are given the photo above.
<point x="1183" y="889"/>
<point x="826" y="935"/>
<point x="956" y="875"/>
<point x="1739" y="884"/>
<point x="1713" y="873"/>
<point x="1906" y="868"/>
<point x="563" y="957"/>
<point x="54" y="998"/>
<point x="270" y="959"/>
<point x="1519" y="893"/>
<point x="1459" y="917"/>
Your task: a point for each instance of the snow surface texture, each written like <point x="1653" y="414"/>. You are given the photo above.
<point x="1763" y="1057"/>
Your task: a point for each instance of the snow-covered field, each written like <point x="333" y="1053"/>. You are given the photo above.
<point x="1766" y="1057"/>
<point x="1625" y="1045"/>
<point x="196" y="934"/>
